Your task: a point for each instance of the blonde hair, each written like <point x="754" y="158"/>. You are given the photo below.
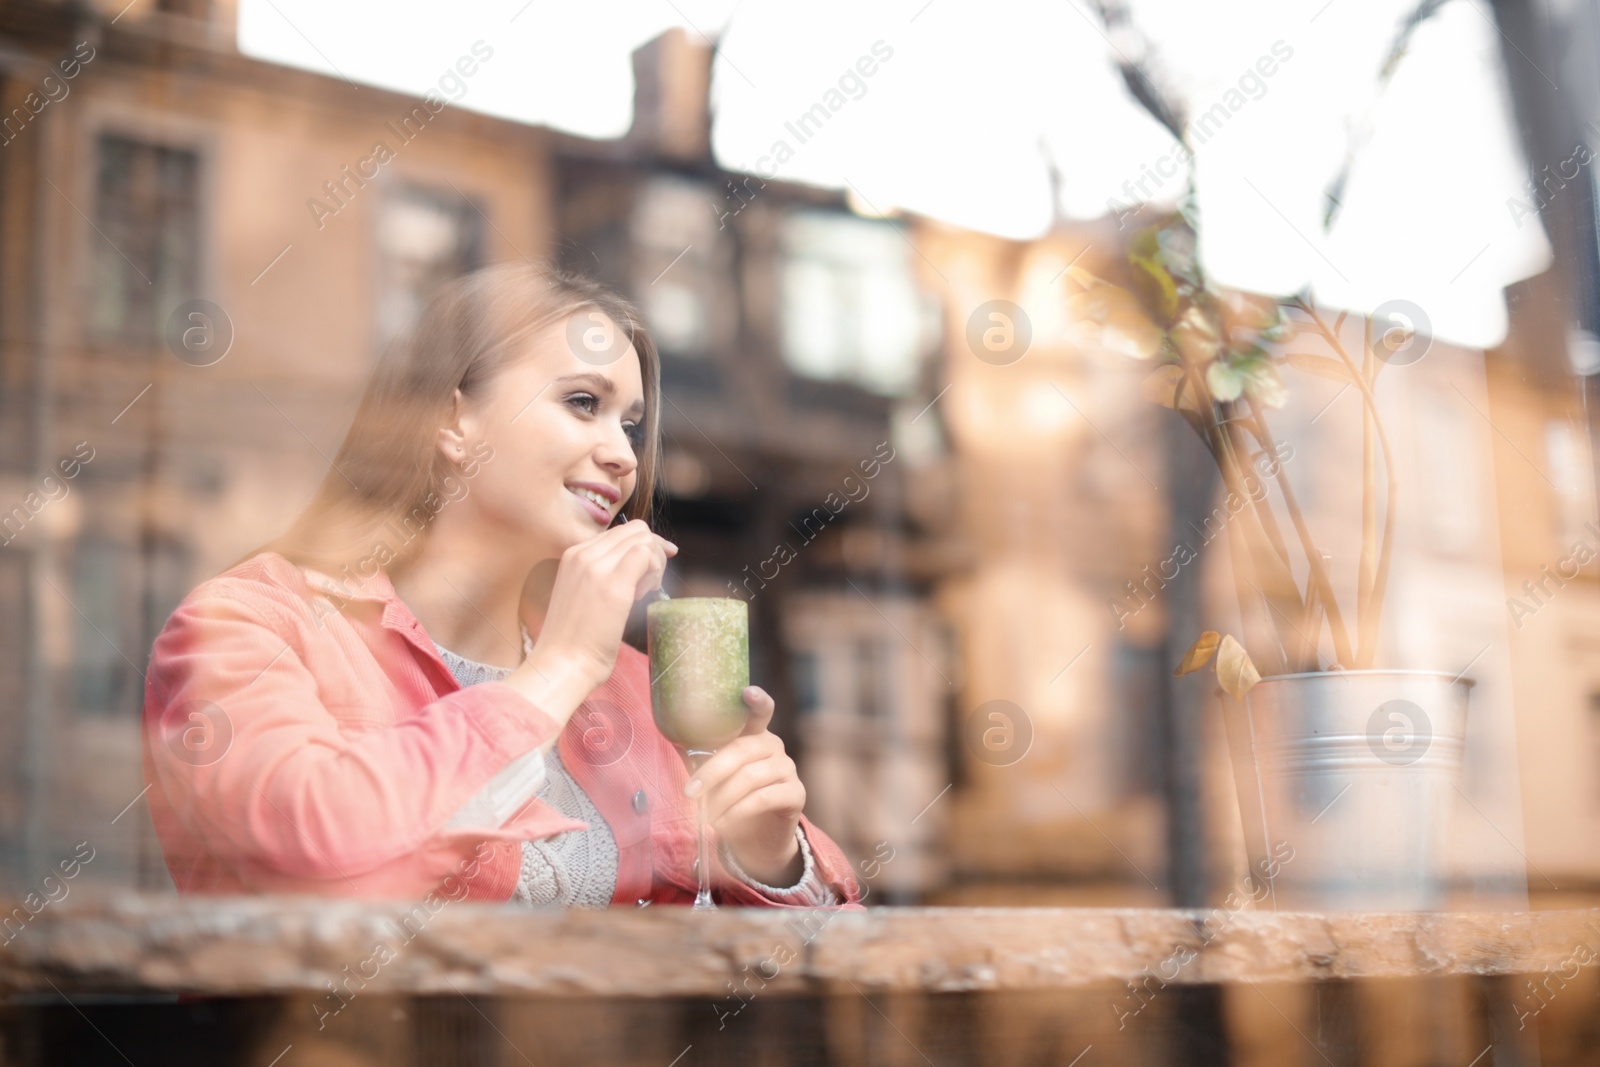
<point x="389" y="467"/>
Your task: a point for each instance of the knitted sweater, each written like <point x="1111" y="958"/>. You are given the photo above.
<point x="578" y="868"/>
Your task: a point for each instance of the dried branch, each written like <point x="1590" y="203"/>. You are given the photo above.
<point x="1368" y="635"/>
<point x="1319" y="573"/>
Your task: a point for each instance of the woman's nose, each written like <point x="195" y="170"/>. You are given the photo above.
<point x="616" y="451"/>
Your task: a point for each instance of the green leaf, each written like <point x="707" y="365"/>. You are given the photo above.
<point x="1144" y="252"/>
<point x="1144" y="244"/>
<point x="1180" y="252"/>
<point x="1166" y="288"/>
<point x="1281" y="329"/>
<point x="1260" y="374"/>
<point x="1189" y="210"/>
<point x="1262" y="382"/>
<point x="1226" y="383"/>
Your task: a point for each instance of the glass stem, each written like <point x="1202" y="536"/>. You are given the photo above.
<point x="702" y="898"/>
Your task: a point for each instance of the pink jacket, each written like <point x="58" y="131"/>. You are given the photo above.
<point x="300" y="743"/>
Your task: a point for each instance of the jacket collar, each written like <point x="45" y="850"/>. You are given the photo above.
<point x="378" y="587"/>
<point x="396" y="615"/>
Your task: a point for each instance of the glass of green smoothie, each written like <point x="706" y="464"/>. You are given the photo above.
<point x="699" y="651"/>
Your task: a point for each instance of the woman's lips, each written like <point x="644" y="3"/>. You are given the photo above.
<point x="596" y="512"/>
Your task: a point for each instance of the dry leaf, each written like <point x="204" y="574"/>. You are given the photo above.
<point x="1130" y="332"/>
<point x="1250" y="310"/>
<point x="1234" y="669"/>
<point x="1109" y="318"/>
<point x="1161" y="387"/>
<point x="1321" y="366"/>
<point x="1194" y="347"/>
<point x="1199" y="653"/>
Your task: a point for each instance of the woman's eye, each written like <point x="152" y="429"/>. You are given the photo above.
<point x="590" y="404"/>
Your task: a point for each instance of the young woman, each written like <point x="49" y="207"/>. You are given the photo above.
<point x="421" y="689"/>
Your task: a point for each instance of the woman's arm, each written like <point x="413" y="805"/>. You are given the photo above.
<point x="831" y="880"/>
<point x="297" y="790"/>
<point x="808" y="890"/>
<point x="832" y="873"/>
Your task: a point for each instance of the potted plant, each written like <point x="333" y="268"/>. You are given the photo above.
<point x="1350" y="765"/>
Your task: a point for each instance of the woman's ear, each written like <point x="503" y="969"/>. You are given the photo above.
<point x="456" y="429"/>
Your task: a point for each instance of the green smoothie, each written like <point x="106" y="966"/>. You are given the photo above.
<point x="699" y="667"/>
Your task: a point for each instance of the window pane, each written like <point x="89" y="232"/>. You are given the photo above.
<point x="870" y="681"/>
<point x="681" y="268"/>
<point x="16" y="641"/>
<point x="425" y="237"/>
<point x="97" y="626"/>
<point x="851" y="308"/>
<point x="146" y="253"/>
<point x="807" y="683"/>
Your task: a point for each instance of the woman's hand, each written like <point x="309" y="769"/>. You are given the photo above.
<point x="754" y="797"/>
<point x="596" y="585"/>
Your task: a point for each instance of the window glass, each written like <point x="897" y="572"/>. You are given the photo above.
<point x="146" y="253"/>
<point x="852" y="311"/>
<point x="425" y="237"/>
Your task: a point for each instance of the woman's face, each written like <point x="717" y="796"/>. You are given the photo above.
<point x="565" y="433"/>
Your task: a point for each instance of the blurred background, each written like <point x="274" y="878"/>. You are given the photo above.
<point x="899" y="421"/>
<point x="816" y="210"/>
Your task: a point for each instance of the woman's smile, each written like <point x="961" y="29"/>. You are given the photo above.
<point x="594" y="499"/>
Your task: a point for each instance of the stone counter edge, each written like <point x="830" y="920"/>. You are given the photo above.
<point x="164" y="944"/>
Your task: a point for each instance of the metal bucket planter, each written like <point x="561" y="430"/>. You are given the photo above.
<point x="1355" y="772"/>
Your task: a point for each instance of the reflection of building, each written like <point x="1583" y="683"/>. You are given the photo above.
<point x="1056" y="465"/>
<point x="799" y="340"/>
<point x="1485" y="504"/>
<point x="875" y="759"/>
<point x="1551" y="600"/>
<point x="793" y="337"/>
<point x="313" y="218"/>
<point x="176" y="170"/>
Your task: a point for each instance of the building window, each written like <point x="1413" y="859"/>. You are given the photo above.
<point x="807" y="681"/>
<point x="1451" y="492"/>
<point x="1572" y="472"/>
<point x="122" y="595"/>
<point x="99" y="673"/>
<point x="681" y="271"/>
<point x="146" y="258"/>
<point x="851" y="309"/>
<point x="16" y="648"/>
<point x="871" y="667"/>
<point x="425" y="237"/>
